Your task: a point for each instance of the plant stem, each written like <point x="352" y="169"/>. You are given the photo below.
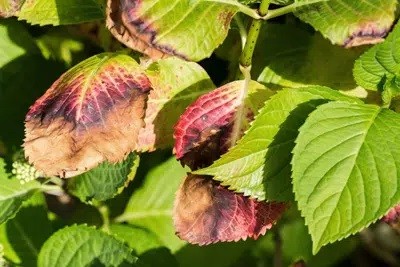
<point x="254" y="31"/>
<point x="278" y="249"/>
<point x="288" y="9"/>
<point x="104" y="213"/>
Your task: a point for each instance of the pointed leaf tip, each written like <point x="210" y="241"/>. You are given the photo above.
<point x="206" y="213"/>
<point x="91" y="114"/>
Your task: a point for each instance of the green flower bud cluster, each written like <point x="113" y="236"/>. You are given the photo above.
<point x="25" y="172"/>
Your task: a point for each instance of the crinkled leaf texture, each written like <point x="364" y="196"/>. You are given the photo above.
<point x="161" y="28"/>
<point x="346" y="168"/>
<point x="206" y="212"/>
<point x="13" y="193"/>
<point x="54" y="12"/>
<point x="380" y="63"/>
<point x="80" y="245"/>
<point x="92" y="113"/>
<point x="176" y="84"/>
<point x="259" y="165"/>
<point x="350" y="23"/>
<point x="105" y="181"/>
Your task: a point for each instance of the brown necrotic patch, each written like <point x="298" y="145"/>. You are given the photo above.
<point x="81" y="122"/>
<point x="206" y="212"/>
<point x="135" y="31"/>
<point x="367" y="33"/>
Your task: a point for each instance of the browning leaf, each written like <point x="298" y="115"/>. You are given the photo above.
<point x="159" y="28"/>
<point x="91" y="114"/>
<point x="9" y="8"/>
<point x="206" y="212"/>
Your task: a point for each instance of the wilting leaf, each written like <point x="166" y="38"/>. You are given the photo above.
<point x="91" y="114"/>
<point x="188" y="29"/>
<point x="206" y="212"/>
<point x="176" y="84"/>
<point x="212" y="114"/>
<point x="350" y="23"/>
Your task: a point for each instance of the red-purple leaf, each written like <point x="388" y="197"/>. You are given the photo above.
<point x="91" y="114"/>
<point x="206" y="212"/>
<point x="208" y="115"/>
<point x="393" y="215"/>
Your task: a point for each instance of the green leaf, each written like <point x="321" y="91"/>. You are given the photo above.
<point x="138" y="238"/>
<point x="105" y="181"/>
<point x="151" y="205"/>
<point x="176" y="84"/>
<point x="54" y="12"/>
<point x="23" y="236"/>
<point x="80" y="245"/>
<point x="298" y="57"/>
<point x="12" y="45"/>
<point x="259" y="165"/>
<point x="379" y="63"/>
<point x="159" y="27"/>
<point x="348" y="22"/>
<point x="13" y="193"/>
<point x="345" y="169"/>
<point x="60" y="45"/>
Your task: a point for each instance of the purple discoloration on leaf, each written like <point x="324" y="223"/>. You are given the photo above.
<point x="92" y="113"/>
<point x="368" y="33"/>
<point x="393" y="216"/>
<point x="206" y="212"/>
<point x="205" y="117"/>
<point x="88" y="104"/>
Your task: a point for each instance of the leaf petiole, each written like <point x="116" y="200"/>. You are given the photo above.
<point x="288" y="9"/>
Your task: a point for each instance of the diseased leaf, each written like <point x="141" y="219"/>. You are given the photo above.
<point x="161" y="28"/>
<point x="13" y="193"/>
<point x="379" y="63"/>
<point x="151" y="205"/>
<point x="350" y="23"/>
<point x="214" y="113"/>
<point x="259" y="165"/>
<point x="206" y="212"/>
<point x="345" y="169"/>
<point x="55" y="12"/>
<point x="105" y="181"/>
<point x="92" y="113"/>
<point x="80" y="245"/>
<point x="8" y="8"/>
<point x="176" y="84"/>
<point x="392" y="217"/>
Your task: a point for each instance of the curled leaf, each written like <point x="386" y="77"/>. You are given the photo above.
<point x="206" y="212"/>
<point x="159" y="29"/>
<point x="91" y="114"/>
